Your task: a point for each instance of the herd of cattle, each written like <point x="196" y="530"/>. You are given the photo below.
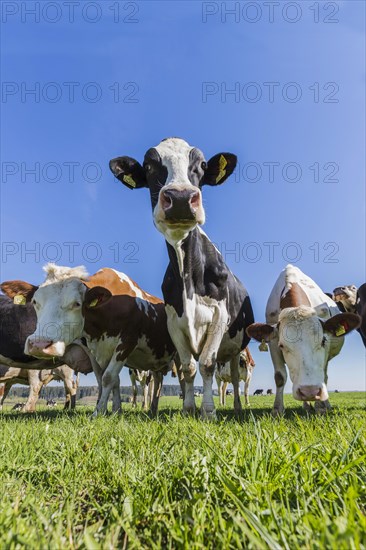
<point x="100" y="323"/>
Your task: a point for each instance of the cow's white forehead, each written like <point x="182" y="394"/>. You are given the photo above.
<point x="293" y="314"/>
<point x="174" y="154"/>
<point x="173" y="147"/>
<point x="58" y="273"/>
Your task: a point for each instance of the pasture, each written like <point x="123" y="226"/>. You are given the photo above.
<point x="176" y="482"/>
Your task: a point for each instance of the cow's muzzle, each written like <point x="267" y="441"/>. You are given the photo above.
<point x="311" y="393"/>
<point x="44" y="348"/>
<point x="180" y="205"/>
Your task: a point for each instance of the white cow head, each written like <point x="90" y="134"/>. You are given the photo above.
<point x="174" y="172"/>
<point x="307" y="344"/>
<point x="60" y="304"/>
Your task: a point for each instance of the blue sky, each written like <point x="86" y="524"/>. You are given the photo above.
<point x="300" y="145"/>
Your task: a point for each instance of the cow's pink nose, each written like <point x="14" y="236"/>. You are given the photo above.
<point x="309" y="393"/>
<point x="38" y="346"/>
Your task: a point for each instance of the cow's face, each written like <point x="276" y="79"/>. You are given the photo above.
<point x="61" y="308"/>
<point x="175" y="172"/>
<point x="347" y="296"/>
<point x="307" y="344"/>
<point x="59" y="318"/>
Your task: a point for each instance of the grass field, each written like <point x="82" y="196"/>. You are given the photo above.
<point x="129" y="482"/>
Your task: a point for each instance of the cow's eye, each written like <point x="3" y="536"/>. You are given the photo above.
<point x="324" y="341"/>
<point x="33" y="302"/>
<point x="76" y="304"/>
<point x="147" y="167"/>
<point x="203" y="165"/>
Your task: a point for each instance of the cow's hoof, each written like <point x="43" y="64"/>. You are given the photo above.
<point x="321" y="407"/>
<point x="308" y="407"/>
<point x="277" y="413"/>
<point x="189" y="411"/>
<point x="208" y="415"/>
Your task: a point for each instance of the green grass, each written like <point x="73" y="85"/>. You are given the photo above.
<point x="294" y="482"/>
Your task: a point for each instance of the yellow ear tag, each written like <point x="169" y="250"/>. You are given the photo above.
<point x="19" y="300"/>
<point x="129" y="180"/>
<point x="263" y="346"/>
<point x="93" y="303"/>
<point x="222" y="166"/>
<point x="340" y="330"/>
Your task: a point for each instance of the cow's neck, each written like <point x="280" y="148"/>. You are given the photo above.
<point x="187" y="255"/>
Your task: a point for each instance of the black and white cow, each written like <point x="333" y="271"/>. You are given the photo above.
<point x="352" y="300"/>
<point x="208" y="308"/>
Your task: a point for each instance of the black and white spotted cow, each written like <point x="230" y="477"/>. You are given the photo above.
<point x="208" y="308"/>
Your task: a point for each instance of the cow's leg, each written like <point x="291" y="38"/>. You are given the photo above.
<point x="116" y="397"/>
<point x="189" y="369"/>
<point x="247" y="379"/>
<point x="223" y="392"/>
<point x="234" y="371"/>
<point x="35" y="386"/>
<point x="134" y="388"/>
<point x="180" y="374"/>
<point x="70" y="391"/>
<point x="145" y="392"/>
<point x="280" y="377"/>
<point x="218" y="382"/>
<point x="4" y="390"/>
<point x="157" y="382"/>
<point x="208" y="406"/>
<point x="151" y="389"/>
<point x="109" y="380"/>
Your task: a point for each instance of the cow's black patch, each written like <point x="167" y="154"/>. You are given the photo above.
<point x="17" y="322"/>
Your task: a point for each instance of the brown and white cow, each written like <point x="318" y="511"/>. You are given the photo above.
<point x="223" y="375"/>
<point x="305" y="331"/>
<point x="36" y="380"/>
<point x="122" y="324"/>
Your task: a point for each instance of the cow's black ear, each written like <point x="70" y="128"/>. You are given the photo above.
<point x="219" y="168"/>
<point x="128" y="171"/>
<point x="96" y="297"/>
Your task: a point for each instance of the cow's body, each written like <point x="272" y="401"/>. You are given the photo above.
<point x="223" y="375"/>
<point x="36" y="380"/>
<point x="305" y="331"/>
<point x="208" y="308"/>
<point x="258" y="392"/>
<point x="269" y="392"/>
<point x="121" y="323"/>
<point x="353" y="300"/>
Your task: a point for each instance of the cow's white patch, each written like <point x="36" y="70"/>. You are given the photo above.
<point x="174" y="154"/>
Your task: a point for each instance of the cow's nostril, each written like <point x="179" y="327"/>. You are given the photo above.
<point x="194" y="199"/>
<point x="166" y="200"/>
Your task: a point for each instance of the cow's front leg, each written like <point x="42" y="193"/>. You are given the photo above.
<point x="145" y="393"/>
<point x="35" y="386"/>
<point x="208" y="407"/>
<point x="246" y="388"/>
<point x="188" y="366"/>
<point x="280" y="377"/>
<point x="234" y="372"/>
<point x="157" y="383"/>
<point x="109" y="380"/>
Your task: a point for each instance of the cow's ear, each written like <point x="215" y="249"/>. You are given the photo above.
<point x="129" y="172"/>
<point x="342" y="324"/>
<point x="219" y="167"/>
<point x="96" y="297"/>
<point x="21" y="289"/>
<point x="260" y="331"/>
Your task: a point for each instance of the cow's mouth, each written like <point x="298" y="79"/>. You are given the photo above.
<point x="339" y="296"/>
